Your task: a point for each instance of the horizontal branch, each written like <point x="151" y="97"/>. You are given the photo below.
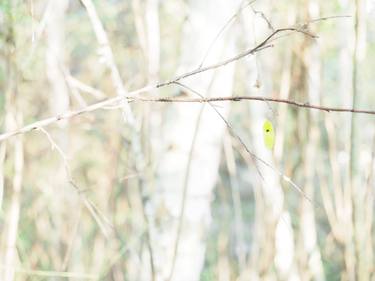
<point x="258" y="98"/>
<point x="70" y="114"/>
<point x="108" y="102"/>
<point x="261" y="46"/>
<point x="131" y="95"/>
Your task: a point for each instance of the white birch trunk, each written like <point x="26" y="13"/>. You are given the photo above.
<point x="59" y="103"/>
<point x="191" y="150"/>
<point x="55" y="57"/>
<point x="273" y="244"/>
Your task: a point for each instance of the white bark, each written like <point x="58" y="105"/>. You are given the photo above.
<point x="13" y="119"/>
<point x="153" y="38"/>
<point x="13" y="216"/>
<point x="59" y="103"/>
<point x="273" y="243"/>
<point x="55" y="55"/>
<point x="107" y="55"/>
<point x="181" y="124"/>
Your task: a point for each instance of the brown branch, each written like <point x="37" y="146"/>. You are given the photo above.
<point x="258" y="98"/>
<point x="254" y="157"/>
<point x="261" y="46"/>
<point x="130" y="96"/>
<point x="121" y="96"/>
<point x="107" y="102"/>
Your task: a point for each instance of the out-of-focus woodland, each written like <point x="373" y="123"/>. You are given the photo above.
<point x="121" y="185"/>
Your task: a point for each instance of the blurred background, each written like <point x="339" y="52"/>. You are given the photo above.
<point x="171" y="191"/>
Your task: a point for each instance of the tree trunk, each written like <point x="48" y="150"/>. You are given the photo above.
<point x="273" y="244"/>
<point x="191" y="142"/>
<point x="59" y="103"/>
<point x="13" y="120"/>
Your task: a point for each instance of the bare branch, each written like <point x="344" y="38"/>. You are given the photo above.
<point x="131" y="95"/>
<point x="71" y="114"/>
<point x="254" y="157"/>
<point x="325" y="18"/>
<point x="107" y="53"/>
<point x="263" y="16"/>
<point x="261" y="46"/>
<point x="98" y="216"/>
<point x="258" y="98"/>
<point x="228" y="23"/>
<point x="111" y="101"/>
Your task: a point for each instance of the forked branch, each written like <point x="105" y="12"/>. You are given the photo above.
<point x="134" y="95"/>
<point x="258" y="98"/>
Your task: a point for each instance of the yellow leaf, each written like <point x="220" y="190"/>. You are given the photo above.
<point x="268" y="134"/>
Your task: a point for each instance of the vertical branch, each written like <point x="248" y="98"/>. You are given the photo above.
<point x="236" y="198"/>
<point x="284" y="92"/>
<point x="58" y="103"/>
<point x="14" y="212"/>
<point x="2" y="172"/>
<point x="55" y="58"/>
<point x="107" y="53"/>
<point x="136" y="148"/>
<point x="353" y="156"/>
<point x="275" y="237"/>
<point x="334" y="205"/>
<point x="153" y="39"/>
<point x="13" y="120"/>
<point x="185" y="184"/>
<point x="185" y="189"/>
<point x="353" y="143"/>
<point x="139" y="25"/>
<point x="148" y="29"/>
<point x="309" y="89"/>
<point x="369" y="217"/>
<point x="360" y="195"/>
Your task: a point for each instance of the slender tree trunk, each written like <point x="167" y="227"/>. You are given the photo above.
<point x="13" y="120"/>
<point x="308" y="65"/>
<point x="273" y="244"/>
<point x="360" y="194"/>
<point x="191" y="141"/>
<point x="59" y="103"/>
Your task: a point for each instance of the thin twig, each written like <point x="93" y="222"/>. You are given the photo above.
<point x="70" y="114"/>
<point x="229" y="21"/>
<point x="261" y="46"/>
<point x="214" y="66"/>
<point x="98" y="216"/>
<point x="258" y="98"/>
<point x="231" y="130"/>
<point x="107" y="53"/>
<point x="57" y="274"/>
<point x="325" y="18"/>
<point x="263" y="16"/>
<point x="120" y="97"/>
<point x="79" y="85"/>
<point x="253" y="156"/>
<point x="110" y="101"/>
